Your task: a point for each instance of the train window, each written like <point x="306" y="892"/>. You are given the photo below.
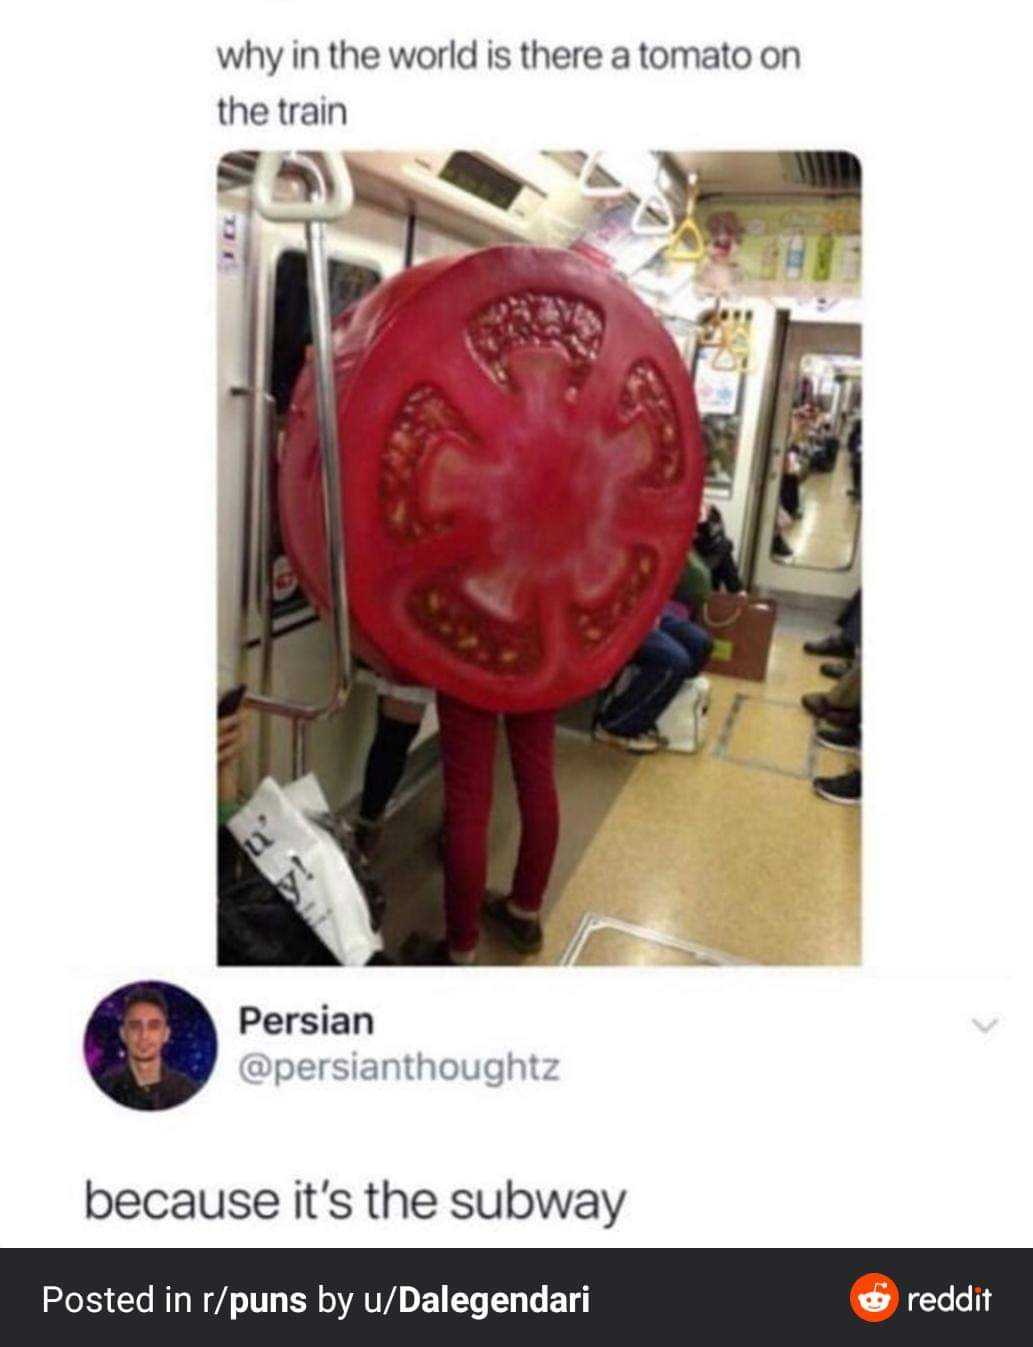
<point x="292" y="332"/>
<point x="819" y="499"/>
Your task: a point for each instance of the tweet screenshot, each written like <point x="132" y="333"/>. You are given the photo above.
<point x="517" y="748"/>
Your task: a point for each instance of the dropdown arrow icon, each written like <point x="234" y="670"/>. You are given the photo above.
<point x="984" y="1026"/>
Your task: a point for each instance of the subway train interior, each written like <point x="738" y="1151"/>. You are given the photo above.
<point x="721" y="833"/>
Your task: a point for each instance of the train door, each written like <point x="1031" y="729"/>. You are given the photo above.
<point x="809" y="535"/>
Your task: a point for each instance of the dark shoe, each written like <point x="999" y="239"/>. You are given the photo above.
<point x="838" y="647"/>
<point x="421" y="951"/>
<point x="836" y="671"/>
<point x="815" y="704"/>
<point x="523" y="935"/>
<point x="647" y="742"/>
<point x="846" y="740"/>
<point x="819" y="706"/>
<point x="845" y="789"/>
<point x="779" y="546"/>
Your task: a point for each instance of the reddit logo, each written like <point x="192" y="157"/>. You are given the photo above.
<point x="874" y="1297"/>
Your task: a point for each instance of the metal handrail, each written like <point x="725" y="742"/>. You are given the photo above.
<point x="326" y="199"/>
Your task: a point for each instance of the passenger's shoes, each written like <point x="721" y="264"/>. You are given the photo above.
<point x="779" y="546"/>
<point x="837" y="647"/>
<point x="819" y="706"/>
<point x="422" y="952"/>
<point x="815" y="704"/>
<point x="845" y="740"/>
<point x="636" y="743"/>
<point x="522" y="933"/>
<point x="845" y="789"/>
<point x="836" y="671"/>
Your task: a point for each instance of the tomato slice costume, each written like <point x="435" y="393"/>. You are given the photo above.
<point x="521" y="471"/>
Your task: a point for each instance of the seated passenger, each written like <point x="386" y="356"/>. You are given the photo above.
<point x="673" y="652"/>
<point x="716" y="549"/>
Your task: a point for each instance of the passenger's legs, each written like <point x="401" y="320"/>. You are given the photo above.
<point x="696" y="641"/>
<point x="663" y="666"/>
<point x="849" y="621"/>
<point x="725" y="574"/>
<point x="467" y="761"/>
<point x="846" y="644"/>
<point x="532" y="750"/>
<point x="846" y="694"/>
<point x="398" y="724"/>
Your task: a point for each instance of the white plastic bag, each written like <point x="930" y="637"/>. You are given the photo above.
<point x="306" y="866"/>
<point x="684" y="723"/>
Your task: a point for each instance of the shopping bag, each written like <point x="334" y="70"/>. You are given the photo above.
<point x="303" y="862"/>
<point x="742" y="628"/>
<point x="684" y="722"/>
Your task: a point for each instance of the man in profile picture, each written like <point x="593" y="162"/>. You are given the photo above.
<point x="144" y="1081"/>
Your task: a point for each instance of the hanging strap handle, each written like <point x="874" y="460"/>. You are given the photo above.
<point x="639" y="226"/>
<point x="676" y="252"/>
<point x="325" y="205"/>
<point x="601" y="193"/>
<point x="688" y="227"/>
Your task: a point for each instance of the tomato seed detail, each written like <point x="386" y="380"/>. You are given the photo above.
<point x="645" y="393"/>
<point x="441" y="611"/>
<point x="425" y="417"/>
<point x="531" y="318"/>
<point x="593" y="625"/>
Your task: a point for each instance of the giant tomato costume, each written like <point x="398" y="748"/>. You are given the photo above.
<point x="521" y="471"/>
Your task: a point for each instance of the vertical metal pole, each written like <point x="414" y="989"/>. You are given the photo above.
<point x="299" y="748"/>
<point x="321" y="205"/>
<point x="265" y="579"/>
<point x="326" y="410"/>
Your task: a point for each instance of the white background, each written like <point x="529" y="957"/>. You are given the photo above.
<point x="739" y="1107"/>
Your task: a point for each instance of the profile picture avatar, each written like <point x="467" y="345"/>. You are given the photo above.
<point x="150" y="1046"/>
<point x="874" y="1297"/>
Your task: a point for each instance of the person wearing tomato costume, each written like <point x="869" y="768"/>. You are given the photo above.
<point x="468" y="736"/>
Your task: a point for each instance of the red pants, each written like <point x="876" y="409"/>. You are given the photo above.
<point x="467" y="759"/>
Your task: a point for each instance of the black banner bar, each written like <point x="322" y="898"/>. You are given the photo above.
<point x="200" y="1296"/>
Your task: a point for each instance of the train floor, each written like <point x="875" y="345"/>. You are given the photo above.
<point x="825" y="535"/>
<point x="724" y="856"/>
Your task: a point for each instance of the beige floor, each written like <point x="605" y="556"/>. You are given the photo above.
<point x="826" y="535"/>
<point x="734" y="854"/>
